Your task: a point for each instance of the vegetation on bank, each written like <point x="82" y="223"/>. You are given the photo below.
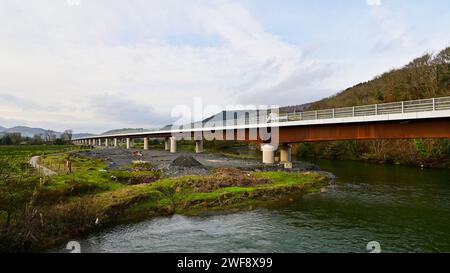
<point x="37" y="213"/>
<point x="425" y="77"/>
<point x="432" y="153"/>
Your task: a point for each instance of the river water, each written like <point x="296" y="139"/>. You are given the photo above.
<point x="405" y="209"/>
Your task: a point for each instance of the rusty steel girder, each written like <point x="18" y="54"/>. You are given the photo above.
<point x="425" y="128"/>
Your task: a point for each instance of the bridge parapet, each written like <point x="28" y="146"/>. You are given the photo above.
<point x="402" y="107"/>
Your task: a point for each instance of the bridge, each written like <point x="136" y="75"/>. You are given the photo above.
<point x="426" y="118"/>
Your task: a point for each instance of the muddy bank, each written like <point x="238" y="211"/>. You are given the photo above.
<point x="184" y="163"/>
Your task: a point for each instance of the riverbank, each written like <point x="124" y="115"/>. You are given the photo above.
<point x="422" y="153"/>
<point x="391" y="204"/>
<point x="115" y="186"/>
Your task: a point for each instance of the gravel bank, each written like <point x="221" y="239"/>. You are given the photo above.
<point x="163" y="160"/>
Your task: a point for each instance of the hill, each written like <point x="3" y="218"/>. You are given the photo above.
<point x="82" y="135"/>
<point x="28" y="131"/>
<point x="125" y="130"/>
<point x="425" y="77"/>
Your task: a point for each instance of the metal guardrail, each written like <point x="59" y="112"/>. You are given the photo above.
<point x="402" y="107"/>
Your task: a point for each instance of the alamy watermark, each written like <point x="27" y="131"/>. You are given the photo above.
<point x="73" y="2"/>
<point x="73" y="247"/>
<point x="374" y="247"/>
<point x="259" y="123"/>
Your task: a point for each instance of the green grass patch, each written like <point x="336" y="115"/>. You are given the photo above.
<point x="24" y="152"/>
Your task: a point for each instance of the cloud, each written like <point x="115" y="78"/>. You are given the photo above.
<point x="8" y="100"/>
<point x="108" y="63"/>
<point x="61" y="57"/>
<point x="373" y="3"/>
<point x="393" y="31"/>
<point x="119" y="110"/>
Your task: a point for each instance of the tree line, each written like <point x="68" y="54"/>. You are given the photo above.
<point x="49" y="137"/>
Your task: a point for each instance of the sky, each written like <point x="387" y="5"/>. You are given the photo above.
<point x="95" y="65"/>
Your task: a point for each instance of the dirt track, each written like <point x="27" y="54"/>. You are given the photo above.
<point x="34" y="162"/>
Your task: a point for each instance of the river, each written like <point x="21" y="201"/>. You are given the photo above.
<point x="405" y="209"/>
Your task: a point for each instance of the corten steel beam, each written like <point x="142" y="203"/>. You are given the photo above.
<point x="432" y="128"/>
<point x="437" y="128"/>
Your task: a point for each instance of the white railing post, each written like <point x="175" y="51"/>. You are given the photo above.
<point x="317" y="114"/>
<point x="403" y="107"/>
<point x="353" y="111"/>
<point x="376" y="109"/>
<point x="434" y="104"/>
<point x="334" y="112"/>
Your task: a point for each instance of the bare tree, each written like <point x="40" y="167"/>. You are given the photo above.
<point x="379" y="148"/>
<point x="67" y="135"/>
<point x="49" y="136"/>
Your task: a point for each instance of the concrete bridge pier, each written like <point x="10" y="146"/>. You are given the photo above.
<point x="145" y="143"/>
<point x="167" y="144"/>
<point x="99" y="142"/>
<point x="128" y="143"/>
<point x="173" y="145"/>
<point x="268" y="154"/>
<point x="199" y="146"/>
<point x="107" y="142"/>
<point x="115" y="142"/>
<point x="285" y="153"/>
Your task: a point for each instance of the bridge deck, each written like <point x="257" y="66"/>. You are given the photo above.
<point x="429" y="118"/>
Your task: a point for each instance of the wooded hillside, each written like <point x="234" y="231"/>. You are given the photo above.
<point x="425" y="77"/>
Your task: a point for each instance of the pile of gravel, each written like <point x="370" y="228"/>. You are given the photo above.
<point x="186" y="162"/>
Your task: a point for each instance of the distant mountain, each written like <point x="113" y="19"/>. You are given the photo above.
<point x="30" y="132"/>
<point x="82" y="135"/>
<point x="125" y="131"/>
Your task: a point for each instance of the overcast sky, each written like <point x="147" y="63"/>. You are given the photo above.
<point x="94" y="65"/>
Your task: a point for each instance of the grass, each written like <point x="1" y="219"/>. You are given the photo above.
<point x="24" y="152"/>
<point x="88" y="173"/>
<point x="68" y="204"/>
<point x="176" y="196"/>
